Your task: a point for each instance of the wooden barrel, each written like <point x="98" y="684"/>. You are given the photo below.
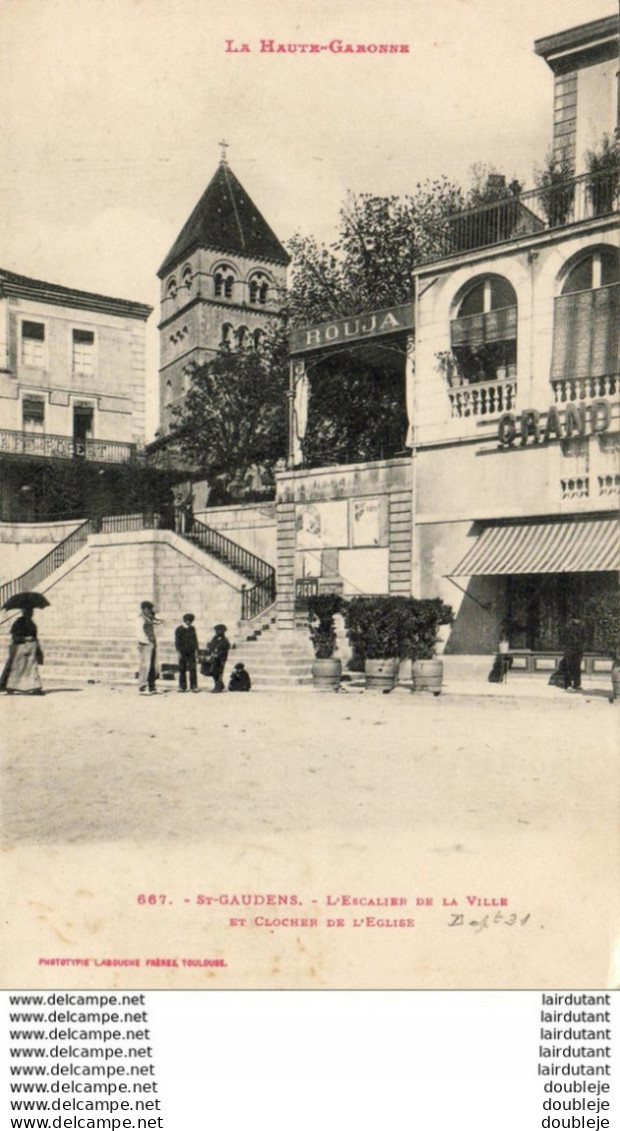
<point x="381" y="674"/>
<point x="326" y="674"/>
<point x="427" y="675"/>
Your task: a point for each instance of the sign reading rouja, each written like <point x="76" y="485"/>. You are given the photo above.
<point x="341" y="331"/>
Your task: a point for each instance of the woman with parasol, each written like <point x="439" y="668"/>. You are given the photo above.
<point x="21" y="671"/>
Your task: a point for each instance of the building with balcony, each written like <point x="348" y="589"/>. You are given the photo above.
<point x="72" y="395"/>
<point x="507" y="508"/>
<point x="517" y="420"/>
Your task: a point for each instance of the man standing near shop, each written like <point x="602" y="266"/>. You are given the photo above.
<point x="574" y="641"/>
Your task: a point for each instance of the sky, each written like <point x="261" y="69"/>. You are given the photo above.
<point x="113" y="111"/>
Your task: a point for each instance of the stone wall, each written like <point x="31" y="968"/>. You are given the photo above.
<point x="23" y="544"/>
<point x="98" y="593"/>
<point x="350" y="527"/>
<point x="251" y="525"/>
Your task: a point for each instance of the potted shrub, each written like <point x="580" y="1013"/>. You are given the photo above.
<point x="603" y="617"/>
<point x="556" y="189"/>
<point x="374" y="631"/>
<point x="326" y="668"/>
<point x="603" y="175"/>
<point x="419" y="634"/>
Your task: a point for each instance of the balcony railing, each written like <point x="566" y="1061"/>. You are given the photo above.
<point x="609" y="484"/>
<point x="489" y="398"/>
<point x="49" y="446"/>
<point x="570" y="202"/>
<point x="583" y="388"/>
<point x="575" y="487"/>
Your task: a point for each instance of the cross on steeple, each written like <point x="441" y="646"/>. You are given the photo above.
<point x="224" y="147"/>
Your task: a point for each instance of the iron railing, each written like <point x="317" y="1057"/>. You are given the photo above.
<point x="123" y="523"/>
<point x="305" y="587"/>
<point x="50" y="446"/>
<point x="46" y="565"/>
<point x="263" y="592"/>
<point x="254" y="598"/>
<point x="571" y="201"/>
<point x="257" y="598"/>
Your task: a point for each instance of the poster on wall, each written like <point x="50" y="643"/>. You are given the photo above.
<point x="159" y="831"/>
<point x="366" y="515"/>
<point x="321" y="525"/>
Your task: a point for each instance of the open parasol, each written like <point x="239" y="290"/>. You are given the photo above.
<point x="26" y="601"/>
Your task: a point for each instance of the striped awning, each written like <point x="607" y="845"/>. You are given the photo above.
<point x="575" y="546"/>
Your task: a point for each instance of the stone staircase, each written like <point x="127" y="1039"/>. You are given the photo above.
<point x="273" y="664"/>
<point x="275" y="660"/>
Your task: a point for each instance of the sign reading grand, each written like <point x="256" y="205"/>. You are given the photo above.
<point x="343" y="331"/>
<point x="574" y="420"/>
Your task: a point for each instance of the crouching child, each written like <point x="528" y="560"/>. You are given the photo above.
<point x="240" y="679"/>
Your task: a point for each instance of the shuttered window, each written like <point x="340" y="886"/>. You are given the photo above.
<point x="83" y="352"/>
<point x="475" y="329"/>
<point x="585" y="337"/>
<point x="33" y="343"/>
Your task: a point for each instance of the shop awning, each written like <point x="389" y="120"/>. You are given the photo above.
<point x="574" y="546"/>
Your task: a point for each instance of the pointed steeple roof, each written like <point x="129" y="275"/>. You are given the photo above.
<point x="225" y="219"/>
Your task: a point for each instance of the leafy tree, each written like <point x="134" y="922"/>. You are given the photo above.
<point x="357" y="411"/>
<point x="233" y="420"/>
<point x="369" y="265"/>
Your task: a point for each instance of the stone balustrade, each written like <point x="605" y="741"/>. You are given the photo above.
<point x="485" y="398"/>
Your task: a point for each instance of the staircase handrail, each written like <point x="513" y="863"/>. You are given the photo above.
<point x="241" y="560"/>
<point x="57" y="556"/>
<point x="255" y="598"/>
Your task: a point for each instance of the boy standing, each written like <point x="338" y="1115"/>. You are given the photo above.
<point x="186" y="644"/>
<point x="217" y="652"/>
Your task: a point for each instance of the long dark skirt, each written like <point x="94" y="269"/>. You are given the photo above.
<point x="23" y="671"/>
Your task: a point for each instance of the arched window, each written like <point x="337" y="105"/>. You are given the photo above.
<point x="586" y="340"/>
<point x="483" y="335"/>
<point x="168" y="396"/>
<point x="599" y="267"/>
<point x="171" y="288"/>
<point x="258" y="288"/>
<point x="227" y="336"/>
<point x="186" y="276"/>
<point x="258" y="338"/>
<point x="242" y="335"/>
<point x="223" y="281"/>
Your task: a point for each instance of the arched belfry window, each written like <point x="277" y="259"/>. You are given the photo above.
<point x="226" y="340"/>
<point x="258" y="288"/>
<point x="483" y="332"/>
<point x="186" y="276"/>
<point x="258" y="338"/>
<point x="242" y="336"/>
<point x="171" y="288"/>
<point x="586" y="321"/>
<point x="223" y="281"/>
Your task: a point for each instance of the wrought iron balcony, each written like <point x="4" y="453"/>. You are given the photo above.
<point x="571" y="201"/>
<point x="49" y="446"/>
<point x="485" y="398"/>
